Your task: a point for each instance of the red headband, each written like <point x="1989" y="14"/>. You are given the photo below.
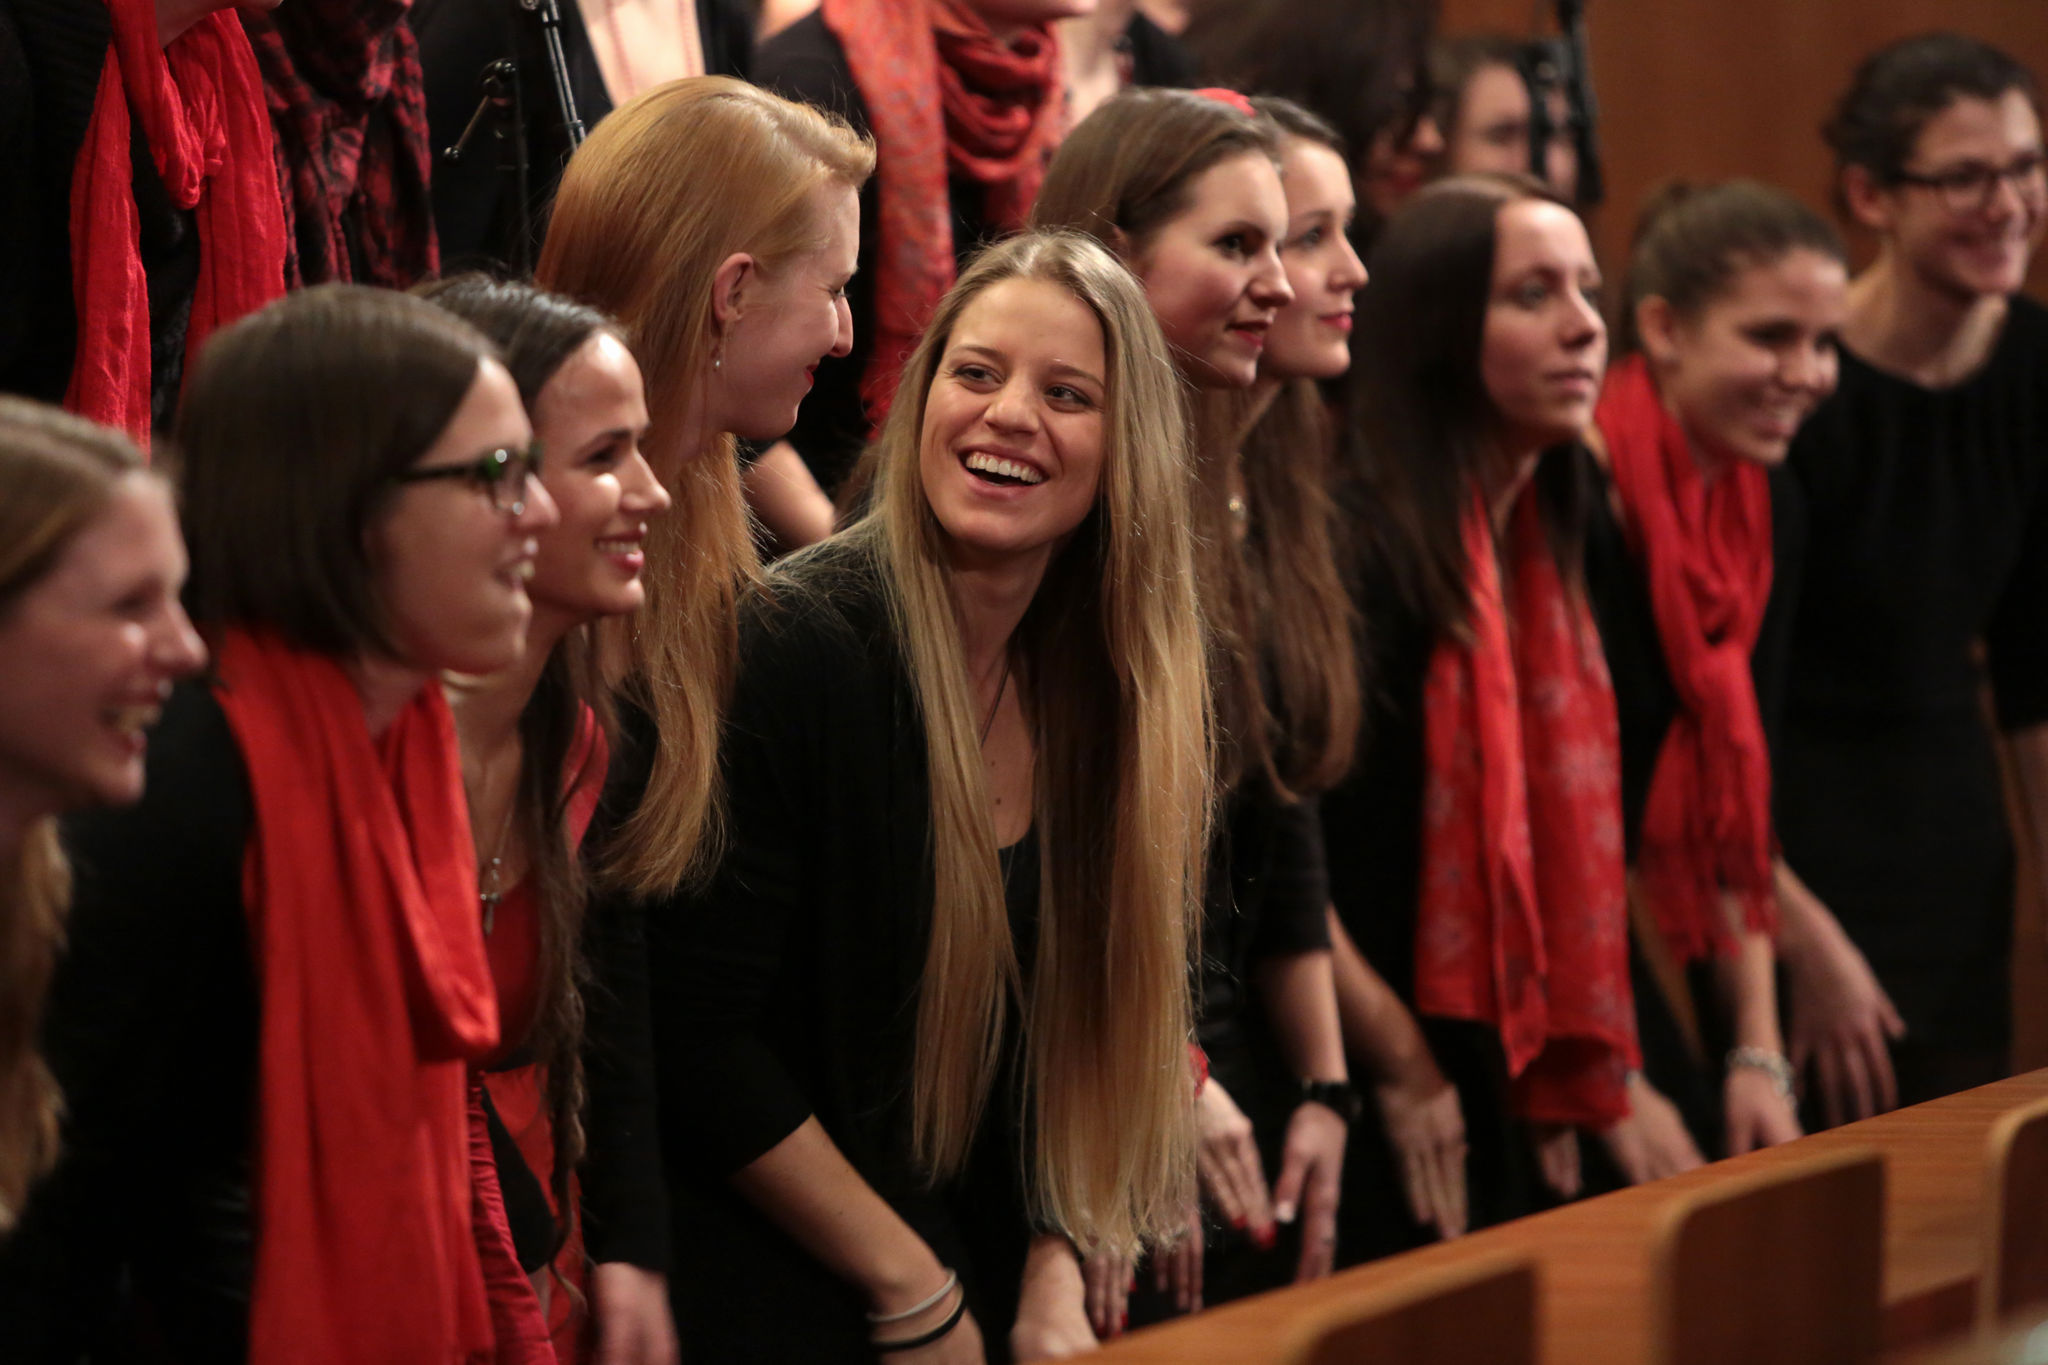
<point x="1232" y="98"/>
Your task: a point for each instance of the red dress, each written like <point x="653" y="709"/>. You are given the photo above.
<point x="519" y="1093"/>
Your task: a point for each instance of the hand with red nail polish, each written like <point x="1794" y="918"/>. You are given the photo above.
<point x="1227" y="1160"/>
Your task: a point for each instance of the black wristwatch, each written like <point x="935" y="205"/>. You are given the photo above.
<point x="1339" y="1097"/>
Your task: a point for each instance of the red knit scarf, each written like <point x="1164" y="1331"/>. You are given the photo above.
<point x="995" y="120"/>
<point x="1706" y="547"/>
<point x="200" y="103"/>
<point x="1524" y="917"/>
<point x="362" y="898"/>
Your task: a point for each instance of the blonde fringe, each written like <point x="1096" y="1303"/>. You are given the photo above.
<point x="37" y="888"/>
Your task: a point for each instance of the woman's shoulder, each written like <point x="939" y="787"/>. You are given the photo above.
<point x="822" y="615"/>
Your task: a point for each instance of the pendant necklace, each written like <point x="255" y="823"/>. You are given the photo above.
<point x="492" y="889"/>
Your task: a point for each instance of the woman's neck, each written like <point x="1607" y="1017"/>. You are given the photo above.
<point x="386" y="688"/>
<point x="487" y="709"/>
<point x="1509" y="475"/>
<point x="1909" y="327"/>
<point x="989" y="599"/>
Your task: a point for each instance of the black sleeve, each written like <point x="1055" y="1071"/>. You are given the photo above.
<point x="1771" y="661"/>
<point x="716" y="958"/>
<point x="2016" y="638"/>
<point x="1297" y="892"/>
<point x="151" y="1032"/>
<point x="805" y="62"/>
<point x="1157" y="58"/>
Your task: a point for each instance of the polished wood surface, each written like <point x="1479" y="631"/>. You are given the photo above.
<point x="1775" y="1266"/>
<point x="2016" y="1222"/>
<point x="1481" y="1313"/>
<point x="1593" y="1257"/>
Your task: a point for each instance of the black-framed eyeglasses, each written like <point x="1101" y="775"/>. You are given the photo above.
<point x="1969" y="189"/>
<point x="501" y="474"/>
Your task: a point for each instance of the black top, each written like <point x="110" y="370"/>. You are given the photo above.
<point x="1913" y="527"/>
<point x="789" y="988"/>
<point x="52" y="53"/>
<point x="1372" y="830"/>
<point x="151" y="1031"/>
<point x="806" y="62"/>
<point x="1266" y="893"/>
<point x="476" y="199"/>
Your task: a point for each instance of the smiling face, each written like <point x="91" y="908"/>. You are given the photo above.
<point x="1544" y="344"/>
<point x="1010" y="453"/>
<point x="1758" y="358"/>
<point x="1311" y="338"/>
<point x="791" y="316"/>
<point x="1212" y="272"/>
<point x="88" y="654"/>
<point x="1976" y="250"/>
<point x="451" y="569"/>
<point x="590" y="418"/>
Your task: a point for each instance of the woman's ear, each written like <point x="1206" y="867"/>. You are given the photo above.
<point x="1657" y="330"/>
<point x="1119" y="241"/>
<point x="1867" y="201"/>
<point x="728" y="285"/>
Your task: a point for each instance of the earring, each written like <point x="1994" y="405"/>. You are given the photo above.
<point x="718" y="356"/>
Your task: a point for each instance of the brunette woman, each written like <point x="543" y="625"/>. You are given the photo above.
<point x="91" y="639"/>
<point x="1185" y="185"/>
<point x="1310" y="346"/>
<point x="926" y="1035"/>
<point x="964" y="99"/>
<point x="1485" y="111"/>
<point x="276" y="984"/>
<point x="718" y="224"/>
<point x="534" y="741"/>
<point x="1493" y="906"/>
<point x="1912" y="532"/>
<point x="1726" y="330"/>
<point x="1361" y="65"/>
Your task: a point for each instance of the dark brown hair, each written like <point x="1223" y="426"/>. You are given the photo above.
<point x="537" y="332"/>
<point x="1419" y="439"/>
<point x="1898" y="88"/>
<point x="1359" y="64"/>
<point x="291" y="429"/>
<point x="1693" y="240"/>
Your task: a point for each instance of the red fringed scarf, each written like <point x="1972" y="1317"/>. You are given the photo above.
<point x="362" y="899"/>
<point x="1524" y="916"/>
<point x="996" y="120"/>
<point x="350" y="108"/>
<point x="1706" y="547"/>
<point x="200" y="103"/>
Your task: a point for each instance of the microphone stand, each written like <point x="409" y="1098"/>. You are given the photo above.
<point x="550" y="14"/>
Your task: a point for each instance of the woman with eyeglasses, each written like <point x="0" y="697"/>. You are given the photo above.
<point x="1911" y="534"/>
<point x="276" y="983"/>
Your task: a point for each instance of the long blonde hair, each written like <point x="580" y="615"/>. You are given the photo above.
<point x="1111" y="652"/>
<point x="665" y="189"/>
<point x="59" y="471"/>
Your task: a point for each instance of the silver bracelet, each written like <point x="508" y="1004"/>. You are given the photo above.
<point x="884" y="1319"/>
<point x="1772" y="1064"/>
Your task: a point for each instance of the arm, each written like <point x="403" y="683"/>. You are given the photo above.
<point x="2029" y="750"/>
<point x="1757" y="1111"/>
<point x="787" y="498"/>
<point x="1418" y="1106"/>
<point x="1301" y="1001"/>
<point x="1841" y="1016"/>
<point x="806" y="1187"/>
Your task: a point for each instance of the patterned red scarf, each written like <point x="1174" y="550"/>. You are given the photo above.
<point x="1524" y="916"/>
<point x="1706" y="548"/>
<point x="200" y="103"/>
<point x="360" y="883"/>
<point x="995" y="121"/>
<point x="350" y="109"/>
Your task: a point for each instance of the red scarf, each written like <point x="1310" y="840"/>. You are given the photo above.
<point x="362" y="898"/>
<point x="1707" y="550"/>
<point x="200" y="102"/>
<point x="1524" y="915"/>
<point x="996" y="120"/>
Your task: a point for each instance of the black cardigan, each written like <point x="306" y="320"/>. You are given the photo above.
<point x="789" y="987"/>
